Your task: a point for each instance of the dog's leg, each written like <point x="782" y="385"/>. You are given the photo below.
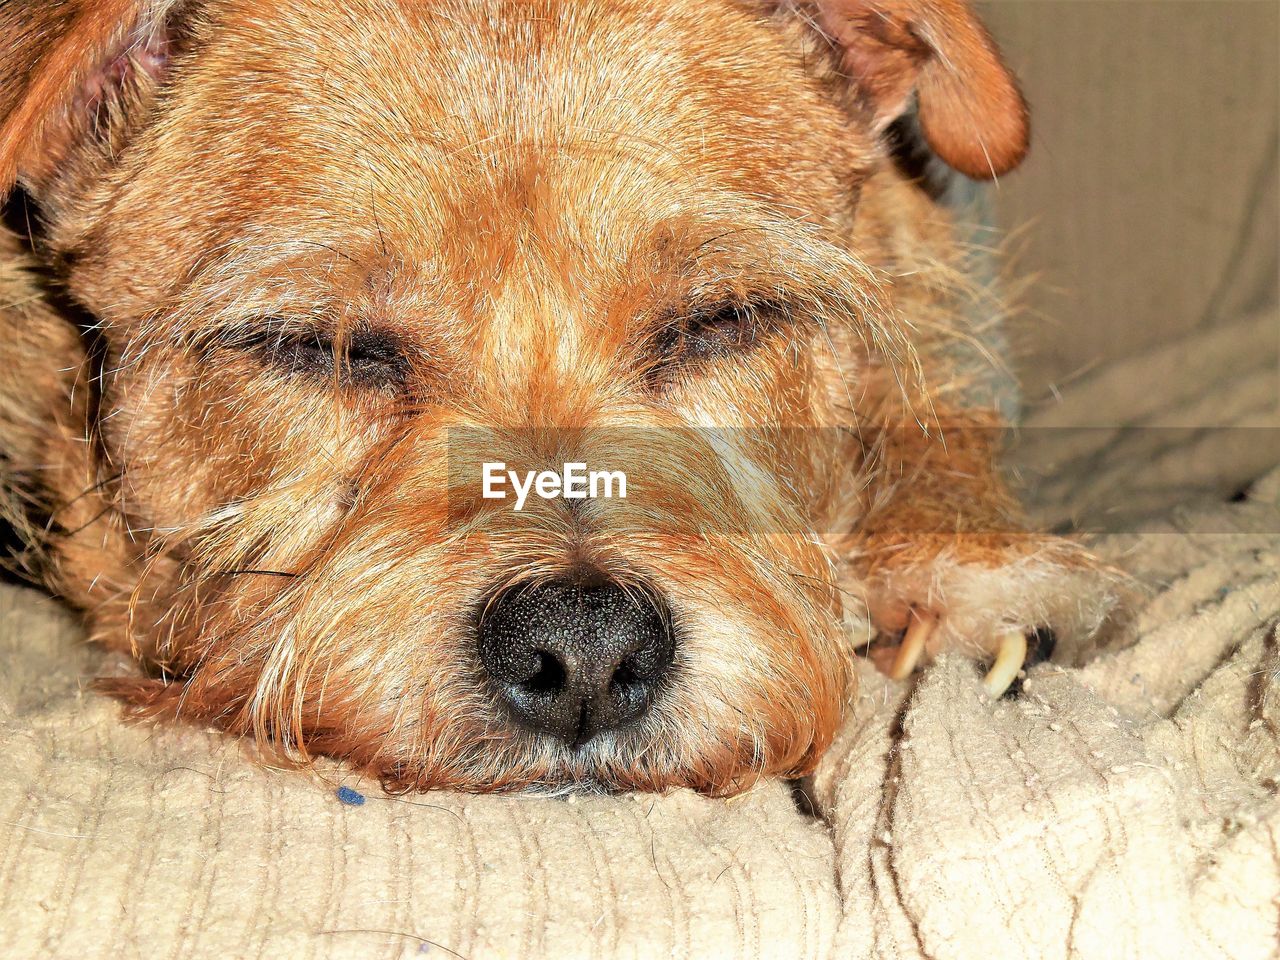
<point x="948" y="563"/>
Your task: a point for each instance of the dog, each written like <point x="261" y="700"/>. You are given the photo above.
<point x="286" y="284"/>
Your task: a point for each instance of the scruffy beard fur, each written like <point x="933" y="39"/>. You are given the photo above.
<point x="517" y="227"/>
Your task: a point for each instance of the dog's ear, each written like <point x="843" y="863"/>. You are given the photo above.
<point x="66" y="66"/>
<point x="970" y="108"/>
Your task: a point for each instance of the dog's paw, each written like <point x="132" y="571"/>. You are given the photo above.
<point x="1006" y="603"/>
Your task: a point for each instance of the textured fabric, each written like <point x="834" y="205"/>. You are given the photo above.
<point x="1140" y="435"/>
<point x="1123" y="807"/>
<point x="1126" y="808"/>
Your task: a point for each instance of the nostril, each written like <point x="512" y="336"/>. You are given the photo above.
<point x="628" y="694"/>
<point x="548" y="676"/>
<point x="653" y="656"/>
<point x="624" y="676"/>
<point x="635" y="680"/>
<point x="625" y="687"/>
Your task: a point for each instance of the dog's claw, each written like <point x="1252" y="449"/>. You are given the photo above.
<point x="1010" y="657"/>
<point x="919" y="627"/>
<point x="1011" y="654"/>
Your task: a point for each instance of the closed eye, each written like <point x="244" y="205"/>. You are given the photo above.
<point x="703" y="334"/>
<point x="362" y="357"/>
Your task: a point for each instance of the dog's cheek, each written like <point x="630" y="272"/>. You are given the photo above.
<point x="191" y="436"/>
<point x="781" y="406"/>
<point x="811" y="389"/>
<point x="762" y="675"/>
<point x="368" y="659"/>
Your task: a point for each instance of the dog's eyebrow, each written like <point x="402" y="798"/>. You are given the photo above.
<point x="748" y="251"/>
<point x="763" y="258"/>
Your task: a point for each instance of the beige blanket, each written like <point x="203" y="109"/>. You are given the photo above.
<point x="1125" y="807"/>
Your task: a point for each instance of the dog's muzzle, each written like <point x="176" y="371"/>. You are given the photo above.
<point x="573" y="660"/>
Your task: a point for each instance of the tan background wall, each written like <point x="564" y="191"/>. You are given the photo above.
<point x="1150" y="198"/>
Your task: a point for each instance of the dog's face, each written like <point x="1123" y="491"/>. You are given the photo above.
<point x="343" y="255"/>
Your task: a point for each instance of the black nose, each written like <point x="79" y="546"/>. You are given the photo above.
<point x="573" y="660"/>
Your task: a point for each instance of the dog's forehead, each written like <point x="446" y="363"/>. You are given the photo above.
<point x="462" y="122"/>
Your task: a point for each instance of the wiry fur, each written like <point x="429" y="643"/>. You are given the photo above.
<point x="529" y="194"/>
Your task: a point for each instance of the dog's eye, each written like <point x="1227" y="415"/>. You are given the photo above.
<point x="363" y="358"/>
<point x="715" y="331"/>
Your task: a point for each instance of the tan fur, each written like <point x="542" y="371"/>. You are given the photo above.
<point x="528" y="194"/>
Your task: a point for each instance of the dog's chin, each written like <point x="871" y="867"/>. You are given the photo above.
<point x="603" y="766"/>
<point x="579" y="772"/>
<point x="655" y="755"/>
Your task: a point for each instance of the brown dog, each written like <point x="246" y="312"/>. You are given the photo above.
<point x="283" y="278"/>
